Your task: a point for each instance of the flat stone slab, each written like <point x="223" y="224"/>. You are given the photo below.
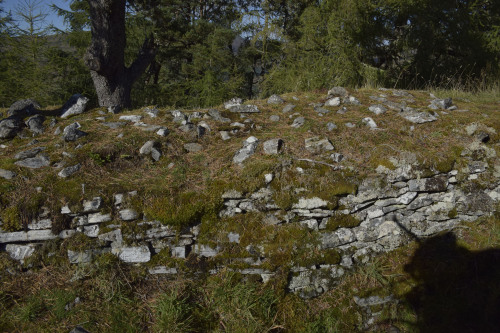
<point x="29" y="236"/>
<point x="244" y="109"/>
<point x="34" y="162"/>
<point x="136" y="254"/>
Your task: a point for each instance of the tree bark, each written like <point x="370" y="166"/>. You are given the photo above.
<point x="105" y="56"/>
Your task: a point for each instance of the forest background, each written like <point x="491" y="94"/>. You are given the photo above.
<point x="210" y="51"/>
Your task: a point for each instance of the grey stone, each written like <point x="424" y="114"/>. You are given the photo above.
<point x="162" y="270"/>
<point x="99" y="218"/>
<point x="72" y="132"/>
<point x="136" y="254"/>
<point x="7" y="174"/>
<point x="114" y="236"/>
<point x="40" y="224"/>
<point x="23" y="108"/>
<point x="337" y="91"/>
<point x="310" y="203"/>
<point x="369" y="122"/>
<point x="350" y="125"/>
<point x="224" y="135"/>
<point x="436" y="184"/>
<point x="20" y="252"/>
<point x="316" y="145"/>
<point x="274" y="118"/>
<point x="205" y="250"/>
<point x="28" y="236"/>
<point x="351" y="100"/>
<point x="35" y="123"/>
<point x="288" y="108"/>
<point x="115" y="124"/>
<point x="273" y="146"/>
<point x="342" y="110"/>
<point x="29" y="153"/>
<point x="441" y="103"/>
<point x="337" y="157"/>
<point x="244" y="109"/>
<point x="92" y="206"/>
<point x="232" y="194"/>
<point x="249" y="147"/>
<point x="163" y="131"/>
<point x="377" y="109"/>
<point x="217" y="116"/>
<point x="179" y="252"/>
<point x="233" y="102"/>
<point x="40" y="161"/>
<point x="131" y="118"/>
<point x="298" y="122"/>
<point x="233" y="237"/>
<point x="75" y="105"/>
<point x="275" y="99"/>
<point x="114" y="109"/>
<point x="151" y="148"/>
<point x="69" y="171"/>
<point x="335" y="101"/>
<point x="128" y="214"/>
<point x="9" y="128"/>
<point x="80" y="257"/>
<point x="152" y="112"/>
<point x="79" y="329"/>
<point x="321" y="111"/>
<point x="193" y="147"/>
<point x="418" y="117"/>
<point x="91" y="231"/>
<point x="331" y="126"/>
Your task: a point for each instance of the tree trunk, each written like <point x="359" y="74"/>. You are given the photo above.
<point x="105" y="56"/>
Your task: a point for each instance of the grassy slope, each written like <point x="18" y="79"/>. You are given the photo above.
<point x="116" y="297"/>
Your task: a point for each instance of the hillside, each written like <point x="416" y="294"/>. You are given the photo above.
<point x="325" y="211"/>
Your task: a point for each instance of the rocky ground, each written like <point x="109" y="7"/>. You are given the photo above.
<point x="305" y="193"/>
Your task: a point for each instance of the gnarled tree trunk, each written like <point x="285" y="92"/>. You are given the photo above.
<point x="106" y="54"/>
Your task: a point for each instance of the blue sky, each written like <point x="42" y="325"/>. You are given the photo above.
<point x="52" y="18"/>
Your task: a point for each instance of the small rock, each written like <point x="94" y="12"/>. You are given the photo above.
<point x="152" y="112"/>
<point x="377" y="109"/>
<point x="29" y="153"/>
<point x="321" y="110"/>
<point x="66" y="172"/>
<point x="483" y="137"/>
<point x="273" y="146"/>
<point x="193" y="147"/>
<point x="244" y="109"/>
<point x="128" y="214"/>
<point x="224" y="135"/>
<point x="90" y="206"/>
<point x="75" y="105"/>
<point x="72" y="132"/>
<point x="268" y="177"/>
<point x="288" y="108"/>
<point x="336" y="157"/>
<point x="114" y="124"/>
<point x="350" y="125"/>
<point x="131" y="118"/>
<point x="274" y="118"/>
<point x="233" y="102"/>
<point x="151" y="148"/>
<point x="163" y="131"/>
<point x="248" y="149"/>
<point x="7" y="174"/>
<point x="369" y="122"/>
<point x="333" y="102"/>
<point x="114" y="109"/>
<point x="233" y="237"/>
<point x="331" y="126"/>
<point x="298" y="122"/>
<point x="138" y="254"/>
<point x="351" y="100"/>
<point x="342" y="110"/>
<point x="316" y="145"/>
<point x="275" y="99"/>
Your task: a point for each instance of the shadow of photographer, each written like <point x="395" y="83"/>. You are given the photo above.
<point x="457" y="290"/>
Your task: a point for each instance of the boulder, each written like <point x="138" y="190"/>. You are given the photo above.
<point x="337" y="92"/>
<point x="9" y="127"/>
<point x="72" y="132"/>
<point x="35" y="123"/>
<point x="75" y="105"/>
<point x="23" y="108"/>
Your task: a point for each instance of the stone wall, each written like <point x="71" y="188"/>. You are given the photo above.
<point x="392" y="209"/>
